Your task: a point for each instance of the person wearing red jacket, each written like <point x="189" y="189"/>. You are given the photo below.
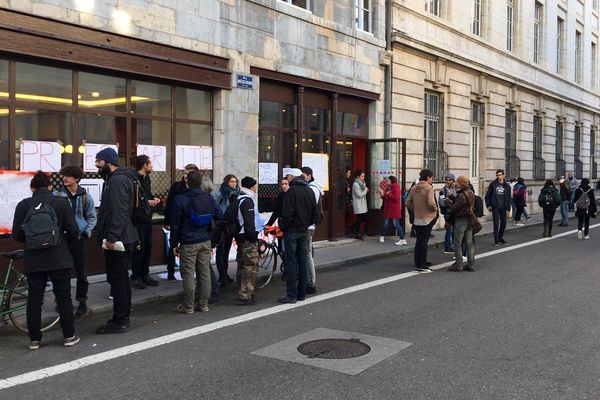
<point x="392" y="209"/>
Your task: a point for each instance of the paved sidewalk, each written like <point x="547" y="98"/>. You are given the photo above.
<point x="328" y="255"/>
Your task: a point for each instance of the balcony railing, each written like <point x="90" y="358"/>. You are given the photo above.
<point x="539" y="168"/>
<point x="512" y="166"/>
<point x="561" y="168"/>
<point x="578" y="169"/>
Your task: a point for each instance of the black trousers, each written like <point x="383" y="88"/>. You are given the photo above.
<point x="423" y="232"/>
<point x="79" y="254"/>
<point x="222" y="258"/>
<point x="360" y="218"/>
<point x="61" y="286"/>
<point x="583" y="222"/>
<point x="499" y="218"/>
<point x="117" y="275"/>
<point x="140" y="264"/>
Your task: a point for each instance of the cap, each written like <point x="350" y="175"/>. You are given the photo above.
<point x="450" y="176"/>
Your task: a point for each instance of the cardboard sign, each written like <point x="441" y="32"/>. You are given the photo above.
<point x="320" y="166"/>
<point x="40" y="156"/>
<point x="89" y="155"/>
<point x="199" y="155"/>
<point x="157" y="154"/>
<point x="14" y="187"/>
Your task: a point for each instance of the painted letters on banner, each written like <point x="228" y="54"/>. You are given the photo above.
<point x="199" y="155"/>
<point x="157" y="154"/>
<point x="89" y="155"/>
<point x="40" y="156"/>
<point x="320" y="166"/>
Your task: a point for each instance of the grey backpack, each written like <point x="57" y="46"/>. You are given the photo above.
<point x="583" y="202"/>
<point x="40" y="226"/>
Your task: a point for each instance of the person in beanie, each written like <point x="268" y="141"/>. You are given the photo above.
<point x="497" y="200"/>
<point x="116" y="234"/>
<point x="549" y="199"/>
<point x="246" y="239"/>
<point x="85" y="217"/>
<point x="53" y="263"/>
<point x="583" y="214"/>
<point x="448" y="191"/>
<point x="462" y="206"/>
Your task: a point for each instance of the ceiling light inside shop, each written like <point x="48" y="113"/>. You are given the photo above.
<point x="95" y="94"/>
<point x="83" y="103"/>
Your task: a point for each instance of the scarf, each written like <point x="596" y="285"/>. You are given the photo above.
<point x="362" y="184"/>
<point x="226" y="191"/>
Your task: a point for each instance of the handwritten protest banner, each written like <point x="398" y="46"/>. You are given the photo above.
<point x="157" y="154"/>
<point x="89" y="155"/>
<point x="14" y="187"/>
<point x="40" y="156"/>
<point x="199" y="155"/>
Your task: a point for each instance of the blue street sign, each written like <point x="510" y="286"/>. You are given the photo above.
<point x="244" y="81"/>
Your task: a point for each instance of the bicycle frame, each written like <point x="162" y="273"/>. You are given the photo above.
<point x="5" y="291"/>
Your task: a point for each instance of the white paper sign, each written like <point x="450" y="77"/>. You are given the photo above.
<point x="320" y="166"/>
<point x="94" y="189"/>
<point x="89" y="155"/>
<point x="157" y="154"/>
<point x="199" y="155"/>
<point x="43" y="156"/>
<point x="14" y="187"/>
<point x="287" y="171"/>
<point x="267" y="173"/>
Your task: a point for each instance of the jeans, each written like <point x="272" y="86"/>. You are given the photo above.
<point x="448" y="236"/>
<point x="140" y="263"/>
<point x="195" y="258"/>
<point x="61" y="286"/>
<point x="463" y="234"/>
<point x="564" y="212"/>
<point x="222" y="258"/>
<point x="295" y="264"/>
<point x="499" y="216"/>
<point x="77" y="249"/>
<point x="397" y="225"/>
<point x="310" y="262"/>
<point x="117" y="275"/>
<point x="423" y="232"/>
<point x="584" y="223"/>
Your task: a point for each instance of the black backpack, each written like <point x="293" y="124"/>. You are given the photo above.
<point x="478" y="206"/>
<point x="141" y="209"/>
<point x="202" y="210"/>
<point x="231" y="223"/>
<point x="41" y="226"/>
<point x="547" y="199"/>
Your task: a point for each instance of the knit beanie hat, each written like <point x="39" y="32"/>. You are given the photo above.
<point x="248" y="182"/>
<point x="109" y="155"/>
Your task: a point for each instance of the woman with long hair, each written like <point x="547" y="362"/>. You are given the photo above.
<point x="392" y="209"/>
<point x="228" y="191"/>
<point x="359" y="202"/>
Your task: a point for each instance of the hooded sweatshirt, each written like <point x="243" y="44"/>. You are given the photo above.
<point x="422" y="200"/>
<point x="318" y="191"/>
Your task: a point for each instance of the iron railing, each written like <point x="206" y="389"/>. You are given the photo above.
<point x="436" y="159"/>
<point x="512" y="166"/>
<point x="578" y="169"/>
<point x="594" y="170"/>
<point x="539" y="168"/>
<point x="561" y="168"/>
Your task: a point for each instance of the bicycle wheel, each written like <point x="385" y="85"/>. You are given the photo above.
<point x="267" y="264"/>
<point x="17" y="304"/>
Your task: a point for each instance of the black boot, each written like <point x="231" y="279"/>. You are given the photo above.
<point x="550" y="229"/>
<point x="546" y="229"/>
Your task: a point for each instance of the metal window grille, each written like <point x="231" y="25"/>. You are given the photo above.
<point x="561" y="164"/>
<point x="537" y="21"/>
<point x="510" y="9"/>
<point x="477" y="123"/>
<point x="512" y="163"/>
<point x="476" y="25"/>
<point x="539" y="164"/>
<point x="434" y="156"/>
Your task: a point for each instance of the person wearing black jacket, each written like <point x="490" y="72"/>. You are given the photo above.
<point x="175" y="189"/>
<point x="52" y="263"/>
<point x="565" y="198"/>
<point x="140" y="263"/>
<point x="298" y="212"/>
<point x="498" y="201"/>
<point x="115" y="224"/>
<point x="583" y="215"/>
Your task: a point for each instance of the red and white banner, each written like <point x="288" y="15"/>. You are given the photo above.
<point x="14" y="187"/>
<point x="40" y="156"/>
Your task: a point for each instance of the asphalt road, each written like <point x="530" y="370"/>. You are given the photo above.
<point x="526" y="325"/>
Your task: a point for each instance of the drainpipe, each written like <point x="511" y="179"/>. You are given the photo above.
<point x="387" y="96"/>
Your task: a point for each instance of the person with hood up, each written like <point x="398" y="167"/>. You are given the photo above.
<point x="422" y="200"/>
<point x="228" y="191"/>
<point x="311" y="285"/>
<point x="519" y="199"/>
<point x="583" y="214"/>
<point x="497" y="200"/>
<point x="549" y="200"/>
<point x="359" y="202"/>
<point x="392" y="210"/>
<point x="116" y="234"/>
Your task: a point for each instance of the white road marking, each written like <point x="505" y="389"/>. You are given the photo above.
<point x="199" y="330"/>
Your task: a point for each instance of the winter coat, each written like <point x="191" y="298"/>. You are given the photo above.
<point x="422" y="200"/>
<point x="459" y="206"/>
<point x="565" y="194"/>
<point x="490" y="195"/>
<point x="520" y="200"/>
<point x="593" y="208"/>
<point x="318" y="192"/>
<point x="277" y="210"/>
<point x="554" y="191"/>
<point x="146" y="184"/>
<point x="392" y="202"/>
<point x="83" y="207"/>
<point x="183" y="230"/>
<point x="116" y="208"/>
<point x="247" y="216"/>
<point x="223" y="196"/>
<point x="359" y="198"/>
<point x="175" y="190"/>
<point x="299" y="210"/>
<point x="52" y="258"/>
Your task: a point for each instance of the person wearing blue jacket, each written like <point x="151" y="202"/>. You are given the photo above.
<point x="498" y="201"/>
<point x="192" y="242"/>
<point x="84" y="211"/>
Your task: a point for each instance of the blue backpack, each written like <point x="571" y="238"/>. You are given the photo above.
<point x="202" y="210"/>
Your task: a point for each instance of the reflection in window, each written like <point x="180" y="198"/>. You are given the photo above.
<point x="193" y="104"/>
<point x="44" y="84"/>
<point x="101" y="129"/>
<point x="3" y="138"/>
<point x="315" y="143"/>
<point x="45" y="125"/>
<point x="152" y="98"/>
<point x="269" y="115"/>
<point x="192" y="134"/>
<point x="156" y="133"/>
<point x="317" y="119"/>
<point x="351" y="124"/>
<point x="268" y="146"/>
<point x="102" y="92"/>
<point x="3" y="79"/>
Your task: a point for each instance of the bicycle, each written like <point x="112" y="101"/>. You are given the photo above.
<point x="268" y="253"/>
<point x="13" y="298"/>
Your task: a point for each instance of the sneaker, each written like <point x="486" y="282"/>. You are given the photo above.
<point x="519" y="224"/>
<point x="426" y="269"/>
<point x="464" y="259"/>
<point x="286" y="300"/>
<point x="448" y="251"/>
<point x="111" y="327"/>
<point x="470" y="269"/>
<point x="110" y="297"/>
<point x="138" y="284"/>
<point x="496" y="244"/>
<point x="381" y="239"/>
<point x="72" y="341"/>
<point x="417" y="269"/>
<point x="579" y="235"/>
<point x="181" y="309"/>
<point x="401" y="242"/>
<point x="311" y="290"/>
<point x="246" y="302"/>
<point x="454" y="269"/>
<point x="213" y="299"/>
<point x="502" y="241"/>
<point x="171" y="277"/>
<point x="586" y="237"/>
<point x="527" y="218"/>
<point x="201" y="307"/>
<point x="148" y="281"/>
<point x="35" y="344"/>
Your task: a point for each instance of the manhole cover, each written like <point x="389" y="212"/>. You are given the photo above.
<point x="334" y="349"/>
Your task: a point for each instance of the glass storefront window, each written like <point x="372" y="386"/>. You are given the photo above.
<point x="3" y="138"/>
<point x="351" y="124"/>
<point x="317" y="119"/>
<point x="150" y="99"/>
<point x="269" y="115"/>
<point x="157" y="133"/>
<point x="41" y="84"/>
<point x="315" y="143"/>
<point x="192" y="134"/>
<point x="193" y="104"/>
<point x="101" y="129"/>
<point x="288" y="113"/>
<point x="3" y="80"/>
<point x="101" y="92"/>
<point x="45" y="125"/>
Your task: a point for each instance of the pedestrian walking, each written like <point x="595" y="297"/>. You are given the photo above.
<point x="422" y="200"/>
<point x="359" y="202"/>
<point x="36" y="222"/>
<point x="585" y="207"/>
<point x="175" y="189"/>
<point x="497" y="200"/>
<point x="392" y="210"/>
<point x="116" y="234"/>
<point x="299" y="211"/>
<point x="448" y="191"/>
<point x="549" y="199"/>
<point x="228" y="192"/>
<point x="462" y="206"/>
<point x="140" y="263"/>
<point x="519" y="200"/>
<point x="192" y="214"/>
<point x="573" y="185"/>
<point x="565" y="198"/>
<point x="84" y="212"/>
<point x="311" y="284"/>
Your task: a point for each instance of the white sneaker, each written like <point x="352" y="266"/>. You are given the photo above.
<point x="464" y="259"/>
<point x="400" y="242"/>
<point x="579" y="235"/>
<point x="519" y="224"/>
<point x="586" y="237"/>
<point x="381" y="239"/>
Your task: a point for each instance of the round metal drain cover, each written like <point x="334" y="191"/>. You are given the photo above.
<point x="334" y="349"/>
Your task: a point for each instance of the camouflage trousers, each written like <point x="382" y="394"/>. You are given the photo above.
<point x="247" y="268"/>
